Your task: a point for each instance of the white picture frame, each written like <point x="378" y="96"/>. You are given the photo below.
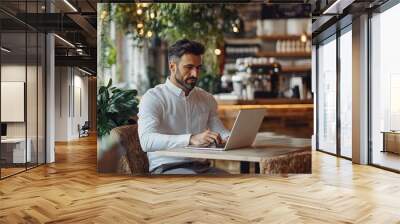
<point x="12" y="101"/>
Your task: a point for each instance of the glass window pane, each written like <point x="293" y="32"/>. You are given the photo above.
<point x="23" y="86"/>
<point x="346" y="94"/>
<point x="13" y="85"/>
<point x="385" y="84"/>
<point x="327" y="96"/>
<point x="41" y="98"/>
<point x="31" y="96"/>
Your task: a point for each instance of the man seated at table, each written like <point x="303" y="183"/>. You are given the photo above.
<point x="178" y="114"/>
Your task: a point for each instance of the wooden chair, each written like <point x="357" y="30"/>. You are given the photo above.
<point x="83" y="130"/>
<point x="126" y="155"/>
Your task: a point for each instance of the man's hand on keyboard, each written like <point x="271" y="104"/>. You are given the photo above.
<point x="205" y="138"/>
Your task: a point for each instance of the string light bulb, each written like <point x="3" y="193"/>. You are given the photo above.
<point x="139" y="25"/>
<point x="152" y="15"/>
<point x="139" y="11"/>
<point x="303" y="38"/>
<point x="149" y="34"/>
<point x="235" y="29"/>
<point x="217" y="51"/>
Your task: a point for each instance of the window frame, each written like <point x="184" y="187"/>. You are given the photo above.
<point x="335" y="36"/>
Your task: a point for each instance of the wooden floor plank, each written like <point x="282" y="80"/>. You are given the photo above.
<point x="71" y="191"/>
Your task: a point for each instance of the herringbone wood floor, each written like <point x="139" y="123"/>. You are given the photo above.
<point x="70" y="191"/>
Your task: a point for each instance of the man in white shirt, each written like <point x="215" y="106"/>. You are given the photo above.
<point x="177" y="114"/>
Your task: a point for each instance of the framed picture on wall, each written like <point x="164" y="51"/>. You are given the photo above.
<point x="12" y="101"/>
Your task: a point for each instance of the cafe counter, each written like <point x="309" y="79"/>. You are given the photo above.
<point x="291" y="117"/>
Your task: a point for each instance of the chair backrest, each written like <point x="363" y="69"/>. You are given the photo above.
<point x="86" y="125"/>
<point x="128" y="139"/>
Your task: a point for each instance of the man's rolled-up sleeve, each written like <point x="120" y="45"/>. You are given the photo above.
<point x="150" y="116"/>
<point x="214" y="123"/>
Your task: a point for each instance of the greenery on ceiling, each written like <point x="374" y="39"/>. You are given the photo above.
<point x="205" y="23"/>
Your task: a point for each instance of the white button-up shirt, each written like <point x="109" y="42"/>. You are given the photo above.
<point x="167" y="119"/>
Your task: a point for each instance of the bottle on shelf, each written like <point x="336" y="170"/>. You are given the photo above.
<point x="290" y="46"/>
<point x="260" y="27"/>
<point x="283" y="46"/>
<point x="278" y="46"/>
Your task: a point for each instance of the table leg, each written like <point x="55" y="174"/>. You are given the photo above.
<point x="384" y="142"/>
<point x="244" y="167"/>
<point x="257" y="168"/>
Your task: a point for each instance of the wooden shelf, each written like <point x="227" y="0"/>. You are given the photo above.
<point x="243" y="40"/>
<point x="294" y="69"/>
<point x="281" y="37"/>
<point x="284" y="54"/>
<point x="273" y="101"/>
<point x="258" y="39"/>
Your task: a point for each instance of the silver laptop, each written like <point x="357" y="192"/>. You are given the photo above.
<point x="243" y="133"/>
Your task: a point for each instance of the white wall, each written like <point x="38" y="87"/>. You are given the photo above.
<point x="80" y="94"/>
<point x="61" y="103"/>
<point x="71" y="93"/>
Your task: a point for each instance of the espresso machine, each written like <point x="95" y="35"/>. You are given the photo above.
<point x="265" y="80"/>
<point x="257" y="78"/>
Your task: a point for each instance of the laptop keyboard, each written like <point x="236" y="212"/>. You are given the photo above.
<point x="213" y="145"/>
<point x="210" y="146"/>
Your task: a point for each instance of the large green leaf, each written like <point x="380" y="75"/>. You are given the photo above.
<point x="115" y="107"/>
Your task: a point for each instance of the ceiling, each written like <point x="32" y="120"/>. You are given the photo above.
<point x="72" y="20"/>
<point x="330" y="16"/>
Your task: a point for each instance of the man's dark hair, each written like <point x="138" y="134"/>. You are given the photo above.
<point x="184" y="46"/>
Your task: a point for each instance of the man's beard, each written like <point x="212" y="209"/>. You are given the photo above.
<point x="188" y="84"/>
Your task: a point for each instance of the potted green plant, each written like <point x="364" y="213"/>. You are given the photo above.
<point x="115" y="107"/>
